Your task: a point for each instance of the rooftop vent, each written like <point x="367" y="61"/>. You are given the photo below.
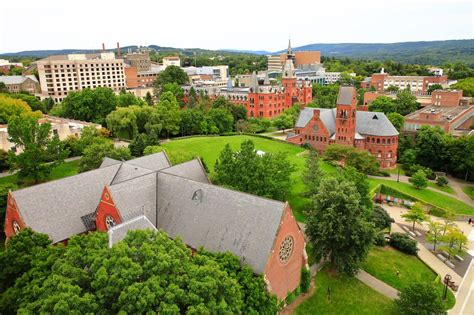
<point x="197" y="196"/>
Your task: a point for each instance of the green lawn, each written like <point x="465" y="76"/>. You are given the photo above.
<point x="348" y="296"/>
<point x="426" y="196"/>
<point x="63" y="170"/>
<point x="395" y="170"/>
<point x="383" y="263"/>
<point x="209" y="148"/>
<point x="469" y="190"/>
<point x="447" y="189"/>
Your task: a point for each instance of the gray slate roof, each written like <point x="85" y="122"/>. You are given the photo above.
<point x="118" y="232"/>
<point x="192" y="170"/>
<point x="153" y="162"/>
<point x="136" y="196"/>
<point x="55" y="208"/>
<point x="128" y="171"/>
<point x="16" y="79"/>
<point x="365" y="122"/>
<point x="218" y="219"/>
<point x="108" y="161"/>
<point x="345" y="95"/>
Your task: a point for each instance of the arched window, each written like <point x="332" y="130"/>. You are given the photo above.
<point x="379" y="153"/>
<point x="388" y="141"/>
<point x="378" y="140"/>
<point x="389" y="154"/>
<point x="383" y="141"/>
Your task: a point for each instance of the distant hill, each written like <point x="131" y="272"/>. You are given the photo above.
<point x="428" y="52"/>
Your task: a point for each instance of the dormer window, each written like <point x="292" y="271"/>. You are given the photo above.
<point x="16" y="227"/>
<point x="375" y="117"/>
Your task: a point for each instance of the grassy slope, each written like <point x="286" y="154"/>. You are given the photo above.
<point x="469" y="190"/>
<point x="383" y="264"/>
<point x="447" y="189"/>
<point x="348" y="296"/>
<point x="209" y="148"/>
<point x="427" y="196"/>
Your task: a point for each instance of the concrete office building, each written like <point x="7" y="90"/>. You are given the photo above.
<point x="62" y="74"/>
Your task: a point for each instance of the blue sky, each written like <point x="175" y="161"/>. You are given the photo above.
<point x="243" y="24"/>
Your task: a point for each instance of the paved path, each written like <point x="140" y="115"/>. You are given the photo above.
<point x="377" y="285"/>
<point x="7" y="173"/>
<point x="465" y="295"/>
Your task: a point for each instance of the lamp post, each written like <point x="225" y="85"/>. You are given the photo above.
<point x="398" y="176"/>
<point x="446" y="281"/>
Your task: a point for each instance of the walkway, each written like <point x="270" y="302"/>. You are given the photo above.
<point x="74" y="158"/>
<point x="377" y="285"/>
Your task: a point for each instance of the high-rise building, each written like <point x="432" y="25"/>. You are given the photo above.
<point x="62" y="74"/>
<point x="300" y="59"/>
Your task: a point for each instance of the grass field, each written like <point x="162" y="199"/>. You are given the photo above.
<point x="426" y="196"/>
<point x="383" y="263"/>
<point x="348" y="296"/>
<point x="209" y="148"/>
<point x="447" y="189"/>
<point x="63" y="170"/>
<point x="469" y="190"/>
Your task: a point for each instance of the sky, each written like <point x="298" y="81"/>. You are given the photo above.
<point x="238" y="24"/>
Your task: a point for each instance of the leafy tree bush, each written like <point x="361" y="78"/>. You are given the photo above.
<point x="11" y="108"/>
<point x="94" y="154"/>
<point x="379" y="239"/>
<point x="397" y="120"/>
<point x="416" y="215"/>
<point x="32" y="101"/>
<point x="3" y="160"/>
<point x="245" y="170"/>
<point x="361" y="160"/>
<point x="381" y="218"/>
<point x="403" y="243"/>
<point x="337" y="225"/>
<point x="305" y="279"/>
<point x="312" y="174"/>
<point x="146" y="272"/>
<point x="419" y="180"/>
<point x="420" y="298"/>
<point x="442" y="181"/>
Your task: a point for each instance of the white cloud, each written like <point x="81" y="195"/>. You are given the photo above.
<point x="244" y="24"/>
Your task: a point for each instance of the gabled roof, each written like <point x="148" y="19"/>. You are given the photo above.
<point x="218" y="219"/>
<point x="16" y="79"/>
<point x="345" y="95"/>
<point x="55" y="208"/>
<point x="128" y="171"/>
<point x="367" y="123"/>
<point x="108" y="161"/>
<point x="153" y="162"/>
<point x="192" y="170"/>
<point x="119" y="232"/>
<point x="136" y="196"/>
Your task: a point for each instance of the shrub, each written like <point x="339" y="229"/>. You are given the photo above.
<point x="379" y="239"/>
<point x="3" y="160"/>
<point x="419" y="180"/>
<point x="290" y="298"/>
<point x="442" y="181"/>
<point x="305" y="280"/>
<point x="403" y="243"/>
<point x="297" y="291"/>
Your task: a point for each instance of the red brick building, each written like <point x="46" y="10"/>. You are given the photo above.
<point x="345" y="125"/>
<point x="263" y="99"/>
<point x="149" y="193"/>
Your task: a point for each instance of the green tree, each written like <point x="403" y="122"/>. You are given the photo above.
<point x="433" y="87"/>
<point x="312" y="174"/>
<point x="149" y="99"/>
<point x="168" y="113"/>
<point x="283" y="122"/>
<point x="90" y="105"/>
<point x="419" y="180"/>
<point x="408" y="159"/>
<point x="382" y="220"/>
<point x="466" y="85"/>
<point x="406" y="103"/>
<point x="337" y="225"/>
<point x="415" y="215"/>
<point x="177" y="91"/>
<point x="431" y="147"/>
<point x="383" y="104"/>
<point x="454" y="241"/>
<point x="219" y="120"/>
<point x="94" y="154"/>
<point x="128" y="99"/>
<point x="392" y="88"/>
<point x="265" y="175"/>
<point x="122" y="122"/>
<point x="138" y="145"/>
<point x="172" y="74"/>
<point x="11" y="108"/>
<point x="397" y="120"/>
<point x="3" y="88"/>
<point x="41" y="153"/>
<point x="435" y="232"/>
<point x="32" y="101"/>
<point x="420" y="298"/>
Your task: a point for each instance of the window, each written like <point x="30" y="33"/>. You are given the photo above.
<point x="16" y="227"/>
<point x="109" y="222"/>
<point x="286" y="249"/>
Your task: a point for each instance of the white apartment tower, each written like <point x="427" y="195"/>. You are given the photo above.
<point x="62" y="74"/>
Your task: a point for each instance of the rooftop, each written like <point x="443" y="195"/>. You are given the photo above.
<point x="439" y="113"/>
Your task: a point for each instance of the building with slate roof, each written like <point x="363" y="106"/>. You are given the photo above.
<point x="345" y="125"/>
<point x="21" y="83"/>
<point x="150" y="193"/>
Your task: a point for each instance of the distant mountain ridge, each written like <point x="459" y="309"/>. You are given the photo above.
<point x="422" y="52"/>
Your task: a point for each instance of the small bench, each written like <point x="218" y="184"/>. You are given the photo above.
<point x="412" y="234"/>
<point x="441" y="257"/>
<point x="417" y="233"/>
<point x="458" y="257"/>
<point x="449" y="264"/>
<point x="405" y="227"/>
<point x="444" y="254"/>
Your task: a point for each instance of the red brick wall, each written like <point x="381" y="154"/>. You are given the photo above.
<point x="12" y="214"/>
<point x="106" y="208"/>
<point x="369" y="97"/>
<point x="131" y="80"/>
<point x="446" y="98"/>
<point x="285" y="277"/>
<point x="377" y="81"/>
<point x="385" y="152"/>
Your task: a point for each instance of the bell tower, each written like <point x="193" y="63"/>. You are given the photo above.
<point x="346" y="112"/>
<point x="288" y="79"/>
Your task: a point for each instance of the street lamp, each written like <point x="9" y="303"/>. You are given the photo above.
<point x="447" y="279"/>
<point x="398" y="177"/>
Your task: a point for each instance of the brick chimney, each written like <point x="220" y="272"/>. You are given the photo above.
<point x="119" y="53"/>
<point x="103" y="47"/>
